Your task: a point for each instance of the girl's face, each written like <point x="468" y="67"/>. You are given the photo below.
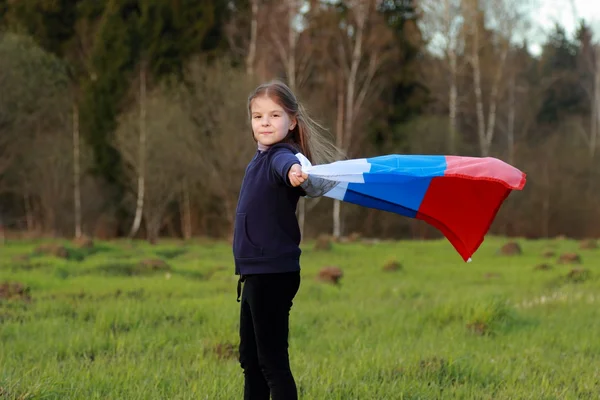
<point x="270" y="123"/>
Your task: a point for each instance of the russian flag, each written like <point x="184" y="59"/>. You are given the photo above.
<point x="460" y="196"/>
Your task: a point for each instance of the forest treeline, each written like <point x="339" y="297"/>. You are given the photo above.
<point x="128" y="117"/>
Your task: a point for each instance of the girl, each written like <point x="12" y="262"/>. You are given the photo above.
<point x="267" y="237"/>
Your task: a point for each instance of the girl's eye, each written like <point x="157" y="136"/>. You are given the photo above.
<point x="257" y="117"/>
<point x="276" y="115"/>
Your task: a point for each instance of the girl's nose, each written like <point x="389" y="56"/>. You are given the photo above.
<point x="265" y="120"/>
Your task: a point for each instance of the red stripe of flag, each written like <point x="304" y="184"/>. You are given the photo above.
<point x="463" y="203"/>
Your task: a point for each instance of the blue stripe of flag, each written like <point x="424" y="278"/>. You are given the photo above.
<point x="396" y="183"/>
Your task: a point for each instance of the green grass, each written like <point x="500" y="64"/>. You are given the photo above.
<point x="99" y="325"/>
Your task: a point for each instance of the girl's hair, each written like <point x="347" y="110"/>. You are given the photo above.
<point x="310" y="137"/>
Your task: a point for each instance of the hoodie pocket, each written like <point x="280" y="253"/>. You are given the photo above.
<point x="243" y="247"/>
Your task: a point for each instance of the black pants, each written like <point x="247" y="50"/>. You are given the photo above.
<point x="264" y="328"/>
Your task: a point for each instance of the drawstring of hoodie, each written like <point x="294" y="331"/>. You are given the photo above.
<point x="239" y="286"/>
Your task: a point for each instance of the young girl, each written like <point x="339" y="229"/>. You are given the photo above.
<point x="267" y="237"/>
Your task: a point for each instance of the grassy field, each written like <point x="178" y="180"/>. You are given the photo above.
<point x="128" y="320"/>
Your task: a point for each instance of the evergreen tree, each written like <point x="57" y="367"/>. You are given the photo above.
<point x="406" y="95"/>
<point x="163" y="34"/>
<point x="563" y="94"/>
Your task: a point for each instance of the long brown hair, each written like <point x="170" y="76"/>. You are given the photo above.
<point x="309" y="136"/>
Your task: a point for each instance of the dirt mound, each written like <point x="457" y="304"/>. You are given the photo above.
<point x="589" y="244"/>
<point x="323" y="243"/>
<point x="21" y="258"/>
<point x="83" y="242"/>
<point x="478" y="328"/>
<point x="392" y="266"/>
<point x="492" y="275"/>
<point x="354" y="237"/>
<point x="52" y="249"/>
<point x="549" y="254"/>
<point x="224" y="351"/>
<point x="569" y="258"/>
<point x="510" y="249"/>
<point x="330" y="275"/>
<point x="14" y="291"/>
<point x="432" y="365"/>
<point x="578" y="275"/>
<point x="152" y="265"/>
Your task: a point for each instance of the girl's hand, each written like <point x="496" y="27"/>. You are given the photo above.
<point x="296" y="176"/>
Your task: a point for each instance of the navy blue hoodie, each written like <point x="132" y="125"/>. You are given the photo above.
<point x="266" y="236"/>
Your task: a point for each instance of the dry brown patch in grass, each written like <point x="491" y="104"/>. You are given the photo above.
<point x="510" y="249"/>
<point x="432" y="365"/>
<point x="492" y="275"/>
<point x="589" y="244"/>
<point x="569" y="258"/>
<point x="330" y="275"/>
<point x="153" y="265"/>
<point x="479" y="328"/>
<point x="543" y="267"/>
<point x="393" y="266"/>
<point x="549" y="254"/>
<point x="578" y="275"/>
<point x="52" y="249"/>
<point x="354" y="237"/>
<point x="84" y="242"/>
<point x="323" y="243"/>
<point x="224" y="351"/>
<point x="14" y="291"/>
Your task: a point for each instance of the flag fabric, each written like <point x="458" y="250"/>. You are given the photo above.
<point x="460" y="196"/>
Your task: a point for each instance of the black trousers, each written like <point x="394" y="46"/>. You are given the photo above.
<point x="264" y="329"/>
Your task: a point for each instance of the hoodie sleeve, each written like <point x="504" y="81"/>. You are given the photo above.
<point x="281" y="160"/>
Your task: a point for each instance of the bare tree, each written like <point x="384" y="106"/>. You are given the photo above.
<point x="485" y="126"/>
<point x="251" y="57"/>
<point x="141" y="162"/>
<point x="242" y="33"/>
<point x="295" y="53"/>
<point x="590" y="54"/>
<point x="443" y="23"/>
<point x="45" y="176"/>
<point x="33" y="107"/>
<point x="506" y="17"/>
<point x="360" y="44"/>
<point x="76" y="171"/>
<point x="221" y="116"/>
<point x="162" y="154"/>
<point x="595" y="115"/>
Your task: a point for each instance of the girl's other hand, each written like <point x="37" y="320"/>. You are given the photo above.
<point x="296" y="176"/>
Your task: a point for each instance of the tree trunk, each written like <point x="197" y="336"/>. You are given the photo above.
<point x="491" y="123"/>
<point x="337" y="229"/>
<point x="351" y="83"/>
<point x="186" y="214"/>
<point x="510" y="132"/>
<point x="76" y="171"/>
<point x="453" y="91"/>
<point x="452" y="102"/>
<point x="301" y="215"/>
<point x="153" y="228"/>
<point x="481" y="131"/>
<point x="485" y="130"/>
<point x="595" y="112"/>
<point x="250" y="59"/>
<point x="29" y="218"/>
<point x="546" y="202"/>
<point x="292" y="41"/>
<point x="2" y="237"/>
<point x="142" y="154"/>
